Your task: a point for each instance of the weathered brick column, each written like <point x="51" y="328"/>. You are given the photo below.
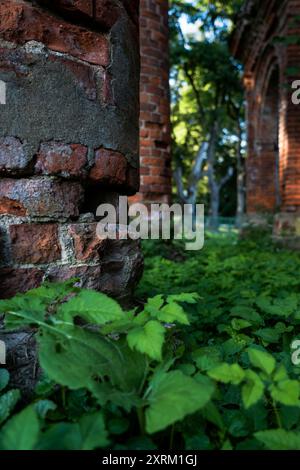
<point x="68" y="140"/>
<point x="155" y="133"/>
<point x="271" y="66"/>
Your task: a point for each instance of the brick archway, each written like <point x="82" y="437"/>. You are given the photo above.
<point x="268" y="139"/>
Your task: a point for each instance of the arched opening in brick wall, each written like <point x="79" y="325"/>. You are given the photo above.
<point x="268" y="141"/>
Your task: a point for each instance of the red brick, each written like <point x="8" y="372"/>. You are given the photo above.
<point x="154" y="97"/>
<point x="34" y="243"/>
<point x="55" y="158"/>
<point x="105" y="12"/>
<point x="21" y="22"/>
<point x="14" y="281"/>
<point x="87" y="245"/>
<point x="110" y="168"/>
<point x="86" y="76"/>
<point x="13" y="156"/>
<point x="40" y="197"/>
<point x="89" y="276"/>
<point x="76" y="8"/>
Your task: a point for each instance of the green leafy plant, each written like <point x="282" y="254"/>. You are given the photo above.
<point x="209" y="368"/>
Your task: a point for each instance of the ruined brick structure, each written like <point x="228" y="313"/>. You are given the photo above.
<point x="68" y="140"/>
<point x="155" y="134"/>
<point x="271" y="66"/>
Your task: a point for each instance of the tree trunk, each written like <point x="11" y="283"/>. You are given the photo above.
<point x="241" y="193"/>
<point x="214" y="206"/>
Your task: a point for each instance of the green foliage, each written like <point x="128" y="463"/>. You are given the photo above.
<point x="206" y="89"/>
<point x="207" y="369"/>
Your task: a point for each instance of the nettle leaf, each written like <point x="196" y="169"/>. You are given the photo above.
<point x="188" y="298"/>
<point x="50" y="292"/>
<point x="253" y="389"/>
<point x="104" y="393"/>
<point x="282" y="307"/>
<point x="211" y="413"/>
<point x="148" y="339"/>
<point x="76" y="357"/>
<point x="61" y="436"/>
<point x="239" y="324"/>
<point x="120" y="326"/>
<point x="174" y="396"/>
<point x="30" y="308"/>
<point x="247" y="313"/>
<point x="43" y="406"/>
<point x="262" y="360"/>
<point x="207" y="357"/>
<point x="155" y="303"/>
<point x="172" y="313"/>
<point x="92" y="306"/>
<point x="93" y="432"/>
<point x="22" y="312"/>
<point x="286" y="392"/>
<point x="7" y="403"/>
<point x="279" y="439"/>
<point x="72" y="356"/>
<point x="233" y="346"/>
<point x="268" y="335"/>
<point x="280" y="374"/>
<point x="21" y="432"/>
<point x="227" y="373"/>
<point x="4" y="379"/>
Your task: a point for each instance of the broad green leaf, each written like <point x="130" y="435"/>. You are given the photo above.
<point x="262" y="360"/>
<point x="282" y="307"/>
<point x="154" y="304"/>
<point x="43" y="406"/>
<point x="227" y="373"/>
<point x="198" y="442"/>
<point x="173" y="397"/>
<point x="22" y="312"/>
<point x="30" y="308"/>
<point x="279" y="439"/>
<point x="280" y="374"/>
<point x="118" y="426"/>
<point x="148" y="339"/>
<point x="207" y="357"/>
<point x="286" y="392"/>
<point x="239" y="324"/>
<point x="61" y="436"/>
<point x="92" y="306"/>
<point x="93" y="433"/>
<point x="187" y="369"/>
<point x="211" y="413"/>
<point x="237" y="423"/>
<point x="227" y="445"/>
<point x="268" y="335"/>
<point x="21" y="432"/>
<point x="104" y="393"/>
<point x="119" y="326"/>
<point x="188" y="298"/>
<point x="74" y="357"/>
<point x="173" y="313"/>
<point x="4" y="379"/>
<point x="247" y="313"/>
<point x="7" y="403"/>
<point x="252" y="390"/>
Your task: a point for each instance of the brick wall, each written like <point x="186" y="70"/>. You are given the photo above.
<point x="68" y="140"/>
<point x="155" y="158"/>
<point x="273" y="165"/>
